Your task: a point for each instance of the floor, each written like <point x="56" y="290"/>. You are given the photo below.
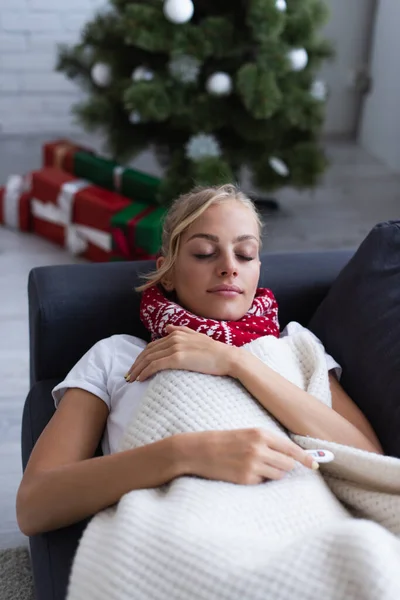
<point x="356" y="193"/>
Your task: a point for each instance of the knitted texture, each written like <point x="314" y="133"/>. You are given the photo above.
<point x="198" y="539"/>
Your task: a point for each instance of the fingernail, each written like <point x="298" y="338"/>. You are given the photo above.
<point x="127" y="375"/>
<point x="315" y="465"/>
<point x="127" y="378"/>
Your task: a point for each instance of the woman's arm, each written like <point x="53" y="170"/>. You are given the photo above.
<point x="64" y="484"/>
<point x="299" y="411"/>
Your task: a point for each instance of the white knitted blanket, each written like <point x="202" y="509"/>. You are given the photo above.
<point x="197" y="539"/>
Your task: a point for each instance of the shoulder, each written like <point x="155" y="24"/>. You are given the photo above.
<point x="126" y="345"/>
<point x="107" y="349"/>
<point x="123" y="340"/>
<point x="119" y="341"/>
<point x="292" y="328"/>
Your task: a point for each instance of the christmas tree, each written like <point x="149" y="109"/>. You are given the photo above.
<point x="210" y="85"/>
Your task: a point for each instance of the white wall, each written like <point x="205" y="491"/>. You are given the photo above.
<point x="33" y="98"/>
<point x="349" y="28"/>
<point x="380" y="131"/>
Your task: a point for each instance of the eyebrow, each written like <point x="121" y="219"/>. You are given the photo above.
<point x="214" y="238"/>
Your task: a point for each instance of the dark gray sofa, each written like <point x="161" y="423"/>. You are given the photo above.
<point x="71" y="307"/>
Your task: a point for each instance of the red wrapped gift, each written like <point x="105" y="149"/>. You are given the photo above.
<point x="60" y="154"/>
<point x="73" y="213"/>
<point x="15" y="201"/>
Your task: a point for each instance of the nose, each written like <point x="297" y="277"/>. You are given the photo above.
<point x="228" y="267"/>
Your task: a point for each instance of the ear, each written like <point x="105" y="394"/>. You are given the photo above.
<point x="166" y="281"/>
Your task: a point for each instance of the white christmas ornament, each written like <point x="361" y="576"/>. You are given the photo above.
<point x="298" y="58"/>
<point x="178" y="11"/>
<point x="101" y="74"/>
<point x="142" y="74"/>
<point x="87" y="53"/>
<point x="319" y="90"/>
<point x="184" y="68"/>
<point x="135" y="117"/>
<point x="279" y="166"/>
<point x="219" y="83"/>
<point x="281" y="5"/>
<point x="201" y="146"/>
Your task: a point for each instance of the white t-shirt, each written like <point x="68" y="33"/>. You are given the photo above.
<point x="101" y="371"/>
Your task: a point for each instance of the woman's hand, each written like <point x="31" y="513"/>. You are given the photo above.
<point x="242" y="456"/>
<point x="185" y="349"/>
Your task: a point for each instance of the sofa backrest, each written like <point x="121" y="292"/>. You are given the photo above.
<point x="71" y="307"/>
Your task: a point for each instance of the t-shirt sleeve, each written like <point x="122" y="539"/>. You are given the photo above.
<point x="90" y="373"/>
<point x="331" y="363"/>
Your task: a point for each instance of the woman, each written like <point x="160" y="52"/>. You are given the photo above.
<point x="210" y="266"/>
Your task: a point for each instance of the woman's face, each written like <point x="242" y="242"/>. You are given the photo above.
<point x="218" y="267"/>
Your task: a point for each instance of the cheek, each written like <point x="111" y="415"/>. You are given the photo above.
<point x="190" y="277"/>
<point x="254" y="275"/>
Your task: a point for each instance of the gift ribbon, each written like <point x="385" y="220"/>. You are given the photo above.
<point x="117" y="178"/>
<point x="16" y="185"/>
<point x="60" y="153"/>
<point x="121" y="242"/>
<point x="119" y="237"/>
<point x="77" y="237"/>
<point x="66" y="197"/>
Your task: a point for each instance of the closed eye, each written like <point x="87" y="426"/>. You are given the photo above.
<point x="240" y="256"/>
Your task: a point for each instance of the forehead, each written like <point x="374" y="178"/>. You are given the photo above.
<point x="226" y="217"/>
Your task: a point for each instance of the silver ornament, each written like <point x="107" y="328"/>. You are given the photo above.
<point x="142" y="74"/>
<point x="101" y="74"/>
<point x="279" y="166"/>
<point x="319" y="90"/>
<point x="202" y="145"/>
<point x="178" y="11"/>
<point x="219" y="83"/>
<point x="281" y="5"/>
<point x="135" y="117"/>
<point x="298" y="58"/>
<point x="184" y="68"/>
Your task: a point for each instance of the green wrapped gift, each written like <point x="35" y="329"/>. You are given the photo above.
<point x="138" y="185"/>
<point x="137" y="230"/>
<point x="99" y="171"/>
<point x="108" y="174"/>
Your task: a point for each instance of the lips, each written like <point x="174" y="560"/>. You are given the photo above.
<point x="226" y="288"/>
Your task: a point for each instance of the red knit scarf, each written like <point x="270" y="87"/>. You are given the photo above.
<point x="157" y="311"/>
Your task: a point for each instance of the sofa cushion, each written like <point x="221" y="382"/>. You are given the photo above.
<point x="359" y="324"/>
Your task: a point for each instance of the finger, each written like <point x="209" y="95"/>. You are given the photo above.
<point x="142" y="368"/>
<point x="148" y="352"/>
<point x="171" y="328"/>
<point x="155" y="367"/>
<point x="268" y="472"/>
<point x="279" y="461"/>
<point x="286" y="446"/>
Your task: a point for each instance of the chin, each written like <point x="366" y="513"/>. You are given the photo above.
<point x="225" y="313"/>
<point x="218" y="309"/>
<point x="226" y="317"/>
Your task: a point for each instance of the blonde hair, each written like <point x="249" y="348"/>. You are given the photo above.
<point x="183" y="212"/>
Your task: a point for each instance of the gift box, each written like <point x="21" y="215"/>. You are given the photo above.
<point x="101" y="171"/>
<point x="127" y="181"/>
<point x="74" y="213"/>
<point x="60" y="154"/>
<point x="15" y="203"/>
<point x="137" y="229"/>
